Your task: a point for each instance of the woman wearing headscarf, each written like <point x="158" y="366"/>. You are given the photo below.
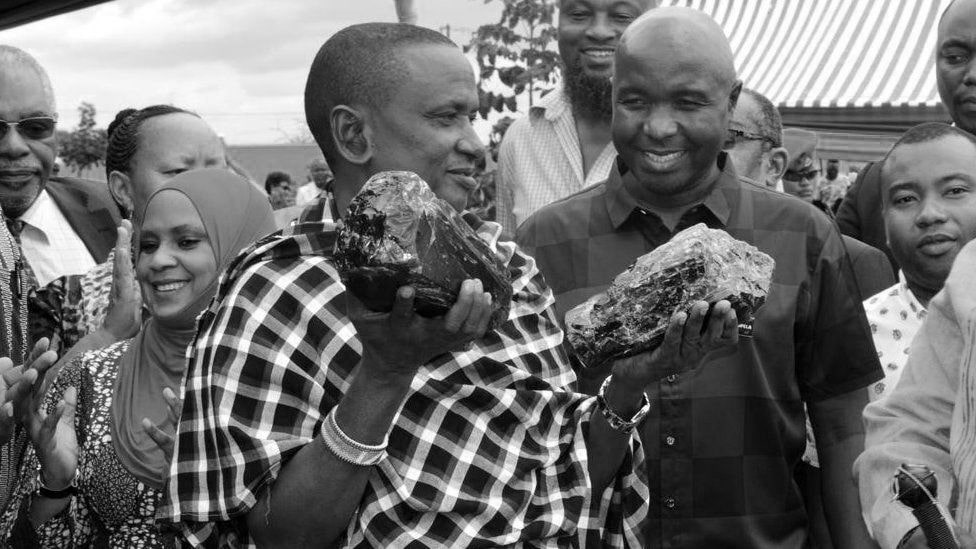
<point x="93" y="475"/>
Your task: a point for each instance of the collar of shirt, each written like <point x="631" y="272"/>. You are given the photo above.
<point x="907" y="295"/>
<point x="620" y="202"/>
<point x="42" y="215"/>
<point x="554" y="105"/>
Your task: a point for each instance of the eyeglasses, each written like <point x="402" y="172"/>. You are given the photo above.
<point x="800" y="176"/>
<point x="35" y="127"/>
<point x="736" y="135"/>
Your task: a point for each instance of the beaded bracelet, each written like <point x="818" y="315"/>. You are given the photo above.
<point x="346" y="449"/>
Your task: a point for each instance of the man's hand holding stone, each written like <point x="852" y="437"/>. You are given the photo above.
<point x="398" y="343"/>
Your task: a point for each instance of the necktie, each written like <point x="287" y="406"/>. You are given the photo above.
<point x="25" y="275"/>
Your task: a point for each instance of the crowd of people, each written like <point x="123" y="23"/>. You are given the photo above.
<point x="184" y="366"/>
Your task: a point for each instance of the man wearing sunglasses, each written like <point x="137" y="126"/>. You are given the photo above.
<point x="65" y="226"/>
<point x="755" y="142"/>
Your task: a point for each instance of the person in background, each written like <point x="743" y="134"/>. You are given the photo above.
<point x="756" y="140"/>
<point x="725" y="439"/>
<point x="833" y="186"/>
<point x="320" y="181"/>
<point x="102" y="438"/>
<point x="278" y="185"/>
<point x="928" y="184"/>
<point x="563" y="145"/>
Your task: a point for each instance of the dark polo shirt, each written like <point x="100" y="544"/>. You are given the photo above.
<point x="721" y="442"/>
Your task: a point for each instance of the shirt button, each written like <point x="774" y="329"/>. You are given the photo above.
<point x="672" y="378"/>
<point x="670" y="440"/>
<point x="670" y="503"/>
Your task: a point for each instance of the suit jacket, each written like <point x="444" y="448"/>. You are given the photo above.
<point x="860" y="216"/>
<point x="90" y="211"/>
<point x="872" y="271"/>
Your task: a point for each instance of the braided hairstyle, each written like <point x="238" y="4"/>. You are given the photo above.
<point x="123" y="135"/>
<point x="123" y="139"/>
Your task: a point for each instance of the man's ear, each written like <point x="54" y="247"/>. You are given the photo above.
<point x="351" y="134"/>
<point x="779" y="159"/>
<point x="121" y="189"/>
<point x="734" y="95"/>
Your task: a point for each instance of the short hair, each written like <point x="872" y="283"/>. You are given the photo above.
<point x="274" y="179"/>
<point x="11" y="56"/>
<point x="924" y="133"/>
<point x="359" y="65"/>
<point x="123" y="135"/>
<point x="770" y="121"/>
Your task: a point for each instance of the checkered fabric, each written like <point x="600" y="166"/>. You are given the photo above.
<point x="723" y="441"/>
<point x="487" y="450"/>
<point x="540" y="161"/>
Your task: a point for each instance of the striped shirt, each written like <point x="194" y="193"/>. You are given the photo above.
<point x="489" y="448"/>
<point x="723" y="444"/>
<point x="930" y="416"/>
<point x="540" y="161"/>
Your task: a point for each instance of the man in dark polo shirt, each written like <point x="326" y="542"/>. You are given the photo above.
<point x="723" y="440"/>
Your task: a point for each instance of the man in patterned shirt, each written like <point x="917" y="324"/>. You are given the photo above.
<point x="725" y="439"/>
<point x="928" y="193"/>
<point x="563" y="145"/>
<point x="485" y="442"/>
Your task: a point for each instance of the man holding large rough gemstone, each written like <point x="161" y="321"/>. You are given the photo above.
<point x="312" y="421"/>
<point x="724" y="438"/>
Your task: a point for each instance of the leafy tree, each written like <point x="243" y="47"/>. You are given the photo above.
<point x="518" y="50"/>
<point x="83" y="148"/>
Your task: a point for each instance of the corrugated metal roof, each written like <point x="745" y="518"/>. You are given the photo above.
<point x="832" y="53"/>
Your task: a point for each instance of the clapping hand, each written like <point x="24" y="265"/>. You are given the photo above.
<point x="401" y="341"/>
<point x="16" y="384"/>
<point x="158" y="432"/>
<point x="124" y="315"/>
<point x="688" y="339"/>
<point x="53" y="435"/>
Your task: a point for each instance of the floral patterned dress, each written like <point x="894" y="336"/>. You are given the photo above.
<point x="112" y="507"/>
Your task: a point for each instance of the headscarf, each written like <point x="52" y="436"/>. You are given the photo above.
<point x="234" y="214"/>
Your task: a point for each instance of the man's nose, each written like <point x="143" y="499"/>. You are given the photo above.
<point x="13" y="145"/>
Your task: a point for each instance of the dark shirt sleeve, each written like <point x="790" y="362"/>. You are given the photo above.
<point x="835" y="351"/>
<point x="848" y="218"/>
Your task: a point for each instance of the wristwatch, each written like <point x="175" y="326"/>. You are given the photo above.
<point x="68" y="491"/>
<point x="616" y="422"/>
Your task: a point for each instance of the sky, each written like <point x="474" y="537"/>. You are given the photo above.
<point x="240" y="64"/>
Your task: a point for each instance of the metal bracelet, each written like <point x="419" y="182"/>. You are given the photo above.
<point x="616" y="422"/>
<point x="345" y="448"/>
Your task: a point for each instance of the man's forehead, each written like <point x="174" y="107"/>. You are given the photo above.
<point x="959" y="20"/>
<point x="22" y="90"/>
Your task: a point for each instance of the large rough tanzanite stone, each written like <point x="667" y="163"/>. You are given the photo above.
<point x="396" y="232"/>
<point x="697" y="264"/>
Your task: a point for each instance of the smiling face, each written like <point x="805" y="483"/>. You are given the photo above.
<point x="589" y="31"/>
<point x="176" y="262"/>
<point x="955" y="63"/>
<point x="426" y="126"/>
<point x="672" y="104"/>
<point x="929" y="199"/>
<point x="25" y="163"/>
<point x="169" y="145"/>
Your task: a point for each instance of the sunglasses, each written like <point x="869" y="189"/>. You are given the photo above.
<point x="736" y="135"/>
<point x="35" y="127"/>
<point x="798" y="176"/>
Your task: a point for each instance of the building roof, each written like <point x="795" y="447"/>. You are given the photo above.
<point x="21" y="12"/>
<point x="873" y="56"/>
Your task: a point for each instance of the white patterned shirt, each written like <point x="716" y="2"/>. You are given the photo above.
<point x="50" y="245"/>
<point x="540" y="161"/>
<point x="895" y="316"/>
